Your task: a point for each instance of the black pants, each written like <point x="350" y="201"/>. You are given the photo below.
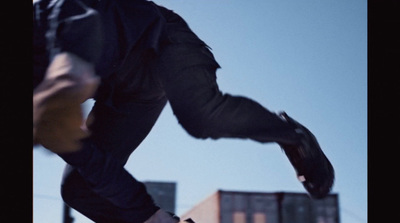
<point x="95" y="182"/>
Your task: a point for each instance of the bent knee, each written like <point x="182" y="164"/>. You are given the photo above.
<point x="67" y="194"/>
<point x="71" y="187"/>
<point x="200" y="127"/>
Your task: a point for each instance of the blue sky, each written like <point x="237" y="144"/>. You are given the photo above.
<point x="308" y="58"/>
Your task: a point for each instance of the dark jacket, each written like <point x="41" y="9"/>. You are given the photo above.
<point x="82" y="27"/>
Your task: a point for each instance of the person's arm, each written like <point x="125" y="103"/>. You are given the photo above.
<point x="68" y="35"/>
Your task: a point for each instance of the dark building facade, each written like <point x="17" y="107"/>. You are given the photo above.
<point x="255" y="207"/>
<point x="163" y="193"/>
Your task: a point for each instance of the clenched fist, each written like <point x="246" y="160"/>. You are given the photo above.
<point x="58" y="122"/>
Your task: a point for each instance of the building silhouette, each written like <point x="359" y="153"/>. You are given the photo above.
<point x="163" y="193"/>
<point x="256" y="207"/>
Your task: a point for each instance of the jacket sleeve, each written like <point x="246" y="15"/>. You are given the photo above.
<point x="64" y="26"/>
<point x="75" y="28"/>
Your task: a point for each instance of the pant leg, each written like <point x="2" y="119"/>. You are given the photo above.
<point x="205" y="112"/>
<point x="186" y="69"/>
<point x="99" y="180"/>
<point x="78" y="194"/>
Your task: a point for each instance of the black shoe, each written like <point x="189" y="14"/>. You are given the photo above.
<point x="312" y="166"/>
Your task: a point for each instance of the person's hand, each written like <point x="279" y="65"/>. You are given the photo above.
<point x="59" y="129"/>
<point x="58" y="123"/>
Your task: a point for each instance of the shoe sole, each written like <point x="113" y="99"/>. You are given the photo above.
<point x="313" y="168"/>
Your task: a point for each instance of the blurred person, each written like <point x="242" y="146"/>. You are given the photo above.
<point x="132" y="57"/>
